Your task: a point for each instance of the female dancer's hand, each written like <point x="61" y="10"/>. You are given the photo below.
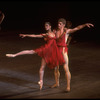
<point x="22" y="35"/>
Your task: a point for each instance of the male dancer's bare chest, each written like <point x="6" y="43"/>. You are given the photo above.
<point x="59" y="34"/>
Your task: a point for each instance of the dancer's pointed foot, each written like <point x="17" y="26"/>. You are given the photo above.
<point x="55" y="86"/>
<point x="10" y="55"/>
<point x="41" y="84"/>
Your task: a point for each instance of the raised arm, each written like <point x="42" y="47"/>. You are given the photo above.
<point x="31" y="35"/>
<point x="2" y="17"/>
<point x="80" y="27"/>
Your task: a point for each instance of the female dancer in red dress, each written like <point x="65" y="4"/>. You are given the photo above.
<point x="49" y="52"/>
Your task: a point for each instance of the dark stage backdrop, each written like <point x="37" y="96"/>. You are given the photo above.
<point x="31" y="15"/>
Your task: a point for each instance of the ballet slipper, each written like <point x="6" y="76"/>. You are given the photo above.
<point x="10" y="55"/>
<point x="41" y="84"/>
<point x="57" y="80"/>
<point x="55" y="86"/>
<point x="67" y="89"/>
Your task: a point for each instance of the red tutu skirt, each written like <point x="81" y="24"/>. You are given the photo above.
<point x="51" y="53"/>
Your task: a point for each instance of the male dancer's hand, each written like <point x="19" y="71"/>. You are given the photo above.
<point x="89" y="25"/>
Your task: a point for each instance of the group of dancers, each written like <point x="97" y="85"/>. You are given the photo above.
<point x="55" y="51"/>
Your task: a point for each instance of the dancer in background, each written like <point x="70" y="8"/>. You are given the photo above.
<point x="69" y="25"/>
<point x="2" y="16"/>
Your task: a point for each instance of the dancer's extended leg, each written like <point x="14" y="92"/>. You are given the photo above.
<point x="21" y="53"/>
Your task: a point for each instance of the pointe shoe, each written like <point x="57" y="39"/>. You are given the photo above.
<point x="10" y="55"/>
<point x="55" y="86"/>
<point x="41" y="84"/>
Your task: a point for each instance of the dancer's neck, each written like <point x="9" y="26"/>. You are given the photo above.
<point x="49" y="31"/>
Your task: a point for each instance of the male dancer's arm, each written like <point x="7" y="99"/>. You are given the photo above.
<point x="79" y="27"/>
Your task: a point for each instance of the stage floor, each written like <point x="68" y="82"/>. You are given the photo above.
<point x="19" y="76"/>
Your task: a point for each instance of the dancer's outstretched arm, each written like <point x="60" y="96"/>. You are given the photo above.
<point x="2" y="17"/>
<point x="79" y="27"/>
<point x="32" y="35"/>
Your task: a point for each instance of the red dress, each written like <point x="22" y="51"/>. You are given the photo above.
<point x="61" y="43"/>
<point x="50" y="53"/>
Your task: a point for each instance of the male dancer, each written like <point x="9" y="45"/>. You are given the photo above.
<point x="62" y="34"/>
